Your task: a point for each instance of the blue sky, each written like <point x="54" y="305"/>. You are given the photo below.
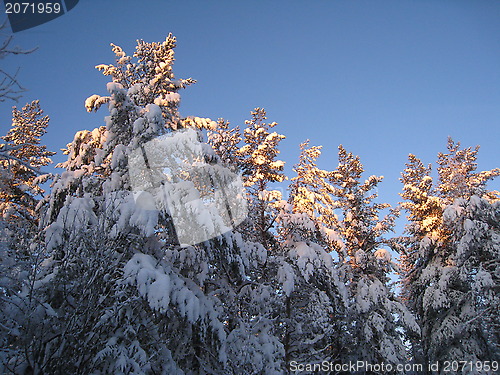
<point x="384" y="78"/>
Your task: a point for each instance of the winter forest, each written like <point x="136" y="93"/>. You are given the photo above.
<point x="163" y="246"/>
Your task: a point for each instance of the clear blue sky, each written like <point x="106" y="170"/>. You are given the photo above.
<point x="384" y="78"/>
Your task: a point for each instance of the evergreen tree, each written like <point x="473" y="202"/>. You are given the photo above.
<point x="20" y="254"/>
<point x="337" y="210"/>
<point x="313" y="298"/>
<point x="139" y="264"/>
<point x="458" y="177"/>
<point x="470" y="328"/>
<point x="260" y="168"/>
<point x="20" y="192"/>
<point x="225" y="142"/>
<point x="128" y="295"/>
<point x="377" y="317"/>
<point x="310" y="191"/>
<point x="451" y="253"/>
<point x="25" y="155"/>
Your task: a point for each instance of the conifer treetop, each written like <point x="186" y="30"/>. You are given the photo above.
<point x="457" y="174"/>
<point x="309" y="191"/>
<point x="21" y="157"/>
<point x="28" y="126"/>
<point x="260" y="151"/>
<point x="147" y="75"/>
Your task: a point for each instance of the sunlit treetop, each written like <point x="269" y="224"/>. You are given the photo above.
<point x="147" y="75"/>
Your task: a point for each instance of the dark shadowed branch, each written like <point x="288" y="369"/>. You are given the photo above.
<point x="10" y="88"/>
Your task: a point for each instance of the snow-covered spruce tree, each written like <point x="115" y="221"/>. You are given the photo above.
<point x="128" y="297"/>
<point x="21" y="157"/>
<point x="474" y="281"/>
<point x="314" y="307"/>
<point x="24" y="156"/>
<point x="312" y="194"/>
<point x="260" y="167"/>
<point x="255" y="342"/>
<point x="20" y="253"/>
<point x="450" y="263"/>
<point x="425" y="217"/>
<point x="458" y="177"/>
<point x="309" y="189"/>
<point x="136" y="299"/>
<point x="225" y="142"/>
<point x="313" y="299"/>
<point x="309" y="306"/>
<point x="377" y="317"/>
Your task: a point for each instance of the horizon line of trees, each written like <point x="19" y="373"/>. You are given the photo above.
<point x="94" y="283"/>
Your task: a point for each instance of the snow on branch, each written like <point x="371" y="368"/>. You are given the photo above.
<point x="5" y="155"/>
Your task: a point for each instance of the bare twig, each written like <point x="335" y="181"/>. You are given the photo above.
<point x="10" y="88"/>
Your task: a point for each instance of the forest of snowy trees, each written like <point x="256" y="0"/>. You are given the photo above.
<point x="163" y="246"/>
